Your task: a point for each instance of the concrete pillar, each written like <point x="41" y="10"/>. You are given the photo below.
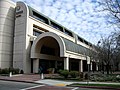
<point x="35" y="65"/>
<point x="66" y="63"/>
<point x="80" y="66"/>
<point x="91" y="65"/>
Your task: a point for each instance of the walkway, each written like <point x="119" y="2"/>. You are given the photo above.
<point x="22" y="78"/>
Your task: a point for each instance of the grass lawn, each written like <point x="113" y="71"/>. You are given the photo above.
<point x="96" y="85"/>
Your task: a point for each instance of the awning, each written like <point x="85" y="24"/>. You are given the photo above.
<point x="74" y="47"/>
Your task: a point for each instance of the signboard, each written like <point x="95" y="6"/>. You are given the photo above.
<point x="18" y="11"/>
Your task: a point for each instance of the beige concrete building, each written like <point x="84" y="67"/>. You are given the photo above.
<point x="30" y="39"/>
<point x="7" y="19"/>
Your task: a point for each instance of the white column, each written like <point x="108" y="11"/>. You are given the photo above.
<point x="66" y="63"/>
<point x="91" y="66"/>
<point x="35" y="65"/>
<point x="80" y="66"/>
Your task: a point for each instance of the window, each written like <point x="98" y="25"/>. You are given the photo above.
<point x="90" y="44"/>
<point x="36" y="33"/>
<point x="80" y="39"/>
<point x="47" y="50"/>
<point x="68" y="33"/>
<point x="40" y="17"/>
<point x="56" y="26"/>
<point x="86" y="42"/>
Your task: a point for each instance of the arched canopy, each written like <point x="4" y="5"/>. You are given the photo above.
<point x="35" y="50"/>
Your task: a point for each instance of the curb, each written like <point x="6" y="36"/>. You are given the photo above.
<point x="97" y="87"/>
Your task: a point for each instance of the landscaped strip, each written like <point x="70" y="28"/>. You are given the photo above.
<point x="100" y="86"/>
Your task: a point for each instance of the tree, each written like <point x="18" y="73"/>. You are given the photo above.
<point x="116" y="53"/>
<point x="109" y="52"/>
<point x="109" y="48"/>
<point x="105" y="54"/>
<point x="113" y="7"/>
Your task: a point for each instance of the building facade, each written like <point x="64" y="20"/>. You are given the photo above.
<point x="30" y="40"/>
<point x="7" y="23"/>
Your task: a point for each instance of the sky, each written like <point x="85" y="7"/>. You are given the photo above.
<point x="80" y="16"/>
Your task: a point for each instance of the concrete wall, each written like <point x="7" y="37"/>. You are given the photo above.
<point x="7" y="9"/>
<point x="19" y="57"/>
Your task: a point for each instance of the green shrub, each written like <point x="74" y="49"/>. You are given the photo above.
<point x="86" y="76"/>
<point x="103" y="77"/>
<point x="5" y="71"/>
<point x="118" y="78"/>
<point x="21" y="72"/>
<point x="16" y="71"/>
<point x="64" y="73"/>
<point x="8" y="70"/>
<point x="0" y="71"/>
<point x="51" y="70"/>
<point x="11" y="70"/>
<point x="81" y="74"/>
<point x="59" y="71"/>
<point x="74" y="74"/>
<point x="108" y="78"/>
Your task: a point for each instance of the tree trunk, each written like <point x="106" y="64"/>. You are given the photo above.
<point x="117" y="66"/>
<point x="107" y="69"/>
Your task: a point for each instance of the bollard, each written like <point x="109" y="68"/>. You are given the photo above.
<point x="10" y="75"/>
<point x="42" y="76"/>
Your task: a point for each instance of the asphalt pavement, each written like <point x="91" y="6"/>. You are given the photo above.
<point x="10" y="85"/>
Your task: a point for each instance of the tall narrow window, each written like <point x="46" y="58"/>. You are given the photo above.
<point x="68" y="33"/>
<point x="86" y="42"/>
<point x="80" y="39"/>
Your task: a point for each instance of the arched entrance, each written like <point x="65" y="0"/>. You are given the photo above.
<point x="50" y="54"/>
<point x="49" y="46"/>
<point x="47" y="52"/>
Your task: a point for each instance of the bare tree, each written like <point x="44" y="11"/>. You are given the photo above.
<point x="116" y="51"/>
<point x="113" y="7"/>
<point x="105" y="54"/>
<point x="109" y="52"/>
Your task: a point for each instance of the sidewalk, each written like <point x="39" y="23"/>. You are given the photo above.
<point x="31" y="78"/>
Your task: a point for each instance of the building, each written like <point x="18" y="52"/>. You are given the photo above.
<point x="29" y="39"/>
